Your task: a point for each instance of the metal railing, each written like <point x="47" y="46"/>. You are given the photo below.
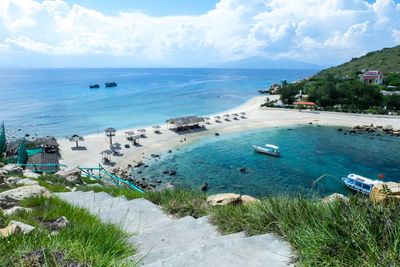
<point x="100" y="173"/>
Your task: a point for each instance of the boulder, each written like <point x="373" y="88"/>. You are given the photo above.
<point x="30" y="174"/>
<point x="27" y="181"/>
<point x="388" y="128"/>
<point x="12" y="169"/>
<point x="385" y="192"/>
<point x="58" y="224"/>
<point x="15" y="209"/>
<point x="223" y="199"/>
<point x="69" y="172"/>
<point x="245" y="199"/>
<point x="14" y="227"/>
<point x="12" y="180"/>
<point x="11" y="198"/>
<point x="335" y="197"/>
<point x="74" y="179"/>
<point x="2" y="165"/>
<point x="166" y="186"/>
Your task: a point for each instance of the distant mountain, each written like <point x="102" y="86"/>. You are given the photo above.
<point x="264" y="63"/>
<point x="386" y="60"/>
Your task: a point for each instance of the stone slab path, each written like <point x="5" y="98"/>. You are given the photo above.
<point x="162" y="240"/>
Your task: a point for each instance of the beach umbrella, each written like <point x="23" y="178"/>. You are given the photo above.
<point x="106" y="154"/>
<point x="156" y="128"/>
<point x="110" y="132"/>
<point x="227" y="116"/>
<point x="142" y="132"/>
<point x="243" y="114"/>
<point x="235" y="115"/>
<point x="129" y="134"/>
<point x="217" y="118"/>
<point x="76" y="138"/>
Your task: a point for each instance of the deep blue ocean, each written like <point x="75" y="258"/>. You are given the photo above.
<point x="59" y="102"/>
<point x="308" y="152"/>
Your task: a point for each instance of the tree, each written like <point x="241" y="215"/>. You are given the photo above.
<point x="22" y="154"/>
<point x="392" y="102"/>
<point x="2" y="139"/>
<point x="288" y="92"/>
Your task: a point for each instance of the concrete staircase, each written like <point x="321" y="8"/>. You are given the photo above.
<point x="162" y="240"/>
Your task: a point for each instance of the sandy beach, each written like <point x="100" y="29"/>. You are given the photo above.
<point x="256" y="118"/>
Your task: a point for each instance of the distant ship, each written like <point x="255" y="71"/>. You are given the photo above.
<point x="94" y="86"/>
<point x="111" y="84"/>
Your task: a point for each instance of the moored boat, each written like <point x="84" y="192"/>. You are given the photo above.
<point x="359" y="183"/>
<point x="111" y="84"/>
<point x="268" y="149"/>
<point x="92" y="86"/>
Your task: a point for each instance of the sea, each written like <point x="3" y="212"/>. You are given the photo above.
<point x="313" y="160"/>
<point x="59" y="102"/>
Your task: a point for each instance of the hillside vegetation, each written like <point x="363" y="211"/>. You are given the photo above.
<point x="386" y="60"/>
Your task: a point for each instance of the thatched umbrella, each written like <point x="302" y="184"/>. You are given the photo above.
<point x="76" y="138"/>
<point x="106" y="155"/>
<point x="156" y="128"/>
<point x="110" y="132"/>
<point x="235" y="116"/>
<point x="130" y="135"/>
<point x="142" y="132"/>
<point x="227" y="116"/>
<point x="207" y="120"/>
<point x="243" y="114"/>
<point x="217" y="118"/>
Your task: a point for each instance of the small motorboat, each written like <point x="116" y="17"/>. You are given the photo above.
<point x="359" y="183"/>
<point x="111" y="84"/>
<point x="268" y="149"/>
<point x="92" y="86"/>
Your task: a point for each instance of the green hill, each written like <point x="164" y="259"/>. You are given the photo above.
<point x="386" y="60"/>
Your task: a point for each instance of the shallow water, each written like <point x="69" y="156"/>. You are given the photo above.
<point x="59" y="102"/>
<point x="308" y="152"/>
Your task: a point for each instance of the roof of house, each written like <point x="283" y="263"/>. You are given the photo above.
<point x="43" y="158"/>
<point x="185" y="120"/>
<point x="305" y="103"/>
<point x="46" y="141"/>
<point x="372" y="74"/>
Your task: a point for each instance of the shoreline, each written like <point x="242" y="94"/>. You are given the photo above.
<point x="256" y="118"/>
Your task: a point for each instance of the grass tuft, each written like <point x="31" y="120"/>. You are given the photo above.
<point x="336" y="234"/>
<point x="180" y="202"/>
<point x="86" y="240"/>
<point x="114" y="191"/>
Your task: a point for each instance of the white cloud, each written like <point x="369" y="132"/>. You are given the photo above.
<point x="320" y="31"/>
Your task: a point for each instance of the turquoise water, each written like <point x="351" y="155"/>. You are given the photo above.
<point x="59" y="102"/>
<point x="307" y="153"/>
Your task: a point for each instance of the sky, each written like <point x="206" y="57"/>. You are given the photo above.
<point x="196" y="33"/>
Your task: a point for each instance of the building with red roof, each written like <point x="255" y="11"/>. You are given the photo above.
<point x="372" y="77"/>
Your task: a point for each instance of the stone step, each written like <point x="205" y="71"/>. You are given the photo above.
<point x="180" y="232"/>
<point x="262" y="250"/>
<point x="164" y="241"/>
<point x="155" y="255"/>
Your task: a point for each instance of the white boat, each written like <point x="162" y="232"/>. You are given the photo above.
<point x="268" y="149"/>
<point x="359" y="183"/>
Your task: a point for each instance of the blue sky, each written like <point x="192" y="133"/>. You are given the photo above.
<point x="183" y="33"/>
<point x="150" y="7"/>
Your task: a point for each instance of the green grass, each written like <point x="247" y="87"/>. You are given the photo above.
<point x="86" y="240"/>
<point x="386" y="60"/>
<point x="54" y="183"/>
<point x="114" y="191"/>
<point x="337" y="234"/>
<point x="180" y="202"/>
<point x="357" y="233"/>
